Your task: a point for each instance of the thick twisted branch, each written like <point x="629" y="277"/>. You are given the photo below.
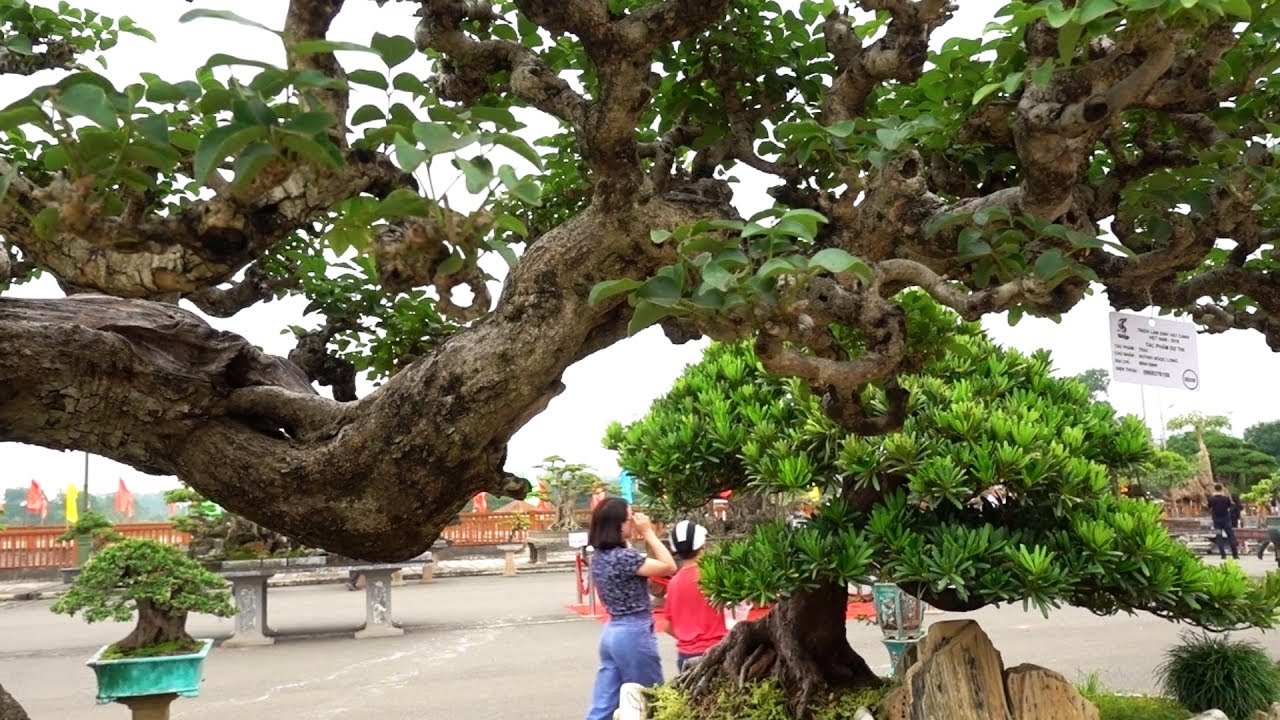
<point x="899" y="55"/>
<point x="310" y="20"/>
<point x="255" y="287"/>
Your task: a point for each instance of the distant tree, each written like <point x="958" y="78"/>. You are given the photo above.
<point x="1096" y="379"/>
<point x="1165" y="470"/>
<point x="567" y="483"/>
<point x="1266" y="435"/>
<point x="1236" y="463"/>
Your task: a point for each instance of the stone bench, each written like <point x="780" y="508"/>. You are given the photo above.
<point x="249" y="589"/>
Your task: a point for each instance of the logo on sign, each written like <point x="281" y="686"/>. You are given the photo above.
<point x="1121" y="329"/>
<point x="1190" y="379"/>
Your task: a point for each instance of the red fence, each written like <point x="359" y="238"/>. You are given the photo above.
<point x="31" y="546"/>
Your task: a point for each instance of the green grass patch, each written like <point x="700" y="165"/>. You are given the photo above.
<point x="1129" y="707"/>
<point x="173" y="647"/>
<point x="759" y="701"/>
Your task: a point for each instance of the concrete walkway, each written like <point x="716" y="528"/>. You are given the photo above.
<point x="477" y="648"/>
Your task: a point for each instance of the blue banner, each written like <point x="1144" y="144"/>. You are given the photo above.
<point x="627" y="486"/>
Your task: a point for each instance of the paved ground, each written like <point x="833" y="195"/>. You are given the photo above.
<point x="477" y="647"/>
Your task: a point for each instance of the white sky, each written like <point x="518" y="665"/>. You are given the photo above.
<point x="618" y="383"/>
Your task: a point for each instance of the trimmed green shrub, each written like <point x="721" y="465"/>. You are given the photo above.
<point x="1205" y="671"/>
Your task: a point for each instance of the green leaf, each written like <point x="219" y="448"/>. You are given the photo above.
<point x="308" y="47"/>
<point x="402" y="201"/>
<point x="310" y="123"/>
<point x="393" y="49"/>
<point x="984" y="91"/>
<point x="20" y="44"/>
<point x="367" y="114"/>
<point x="645" y="315"/>
<point x="250" y="163"/>
<point x="1051" y="264"/>
<point x="1239" y="8"/>
<point x="321" y="152"/>
<point x="408" y="155"/>
<point x="775" y="267"/>
<point x="371" y="78"/>
<point x="660" y="290"/>
<point x="478" y="172"/>
<point x="659" y="236"/>
<point x="220" y="142"/>
<point x="154" y="128"/>
<point x="512" y="223"/>
<point x="521" y="147"/>
<point x="437" y="138"/>
<point x="608" y="288"/>
<point x="220" y="59"/>
<point x="833" y="260"/>
<point x="1068" y="36"/>
<point x="1091" y="10"/>
<point x="88" y="101"/>
<point x="503" y="249"/>
<point x="1058" y="15"/>
<point x="223" y="15"/>
<point x="26" y="113"/>
<point x="716" y="277"/>
<point x="47" y="221"/>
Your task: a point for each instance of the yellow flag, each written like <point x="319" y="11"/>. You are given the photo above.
<point x="73" y="507"/>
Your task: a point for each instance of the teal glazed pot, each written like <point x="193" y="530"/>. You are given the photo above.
<point x="131" y="677"/>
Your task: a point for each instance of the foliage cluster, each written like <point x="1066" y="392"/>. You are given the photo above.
<point x="1209" y="671"/>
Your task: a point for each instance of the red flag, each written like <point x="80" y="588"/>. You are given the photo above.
<point x="37" y="503"/>
<point x="173" y="509"/>
<point x="481" y="503"/>
<point x="124" y="500"/>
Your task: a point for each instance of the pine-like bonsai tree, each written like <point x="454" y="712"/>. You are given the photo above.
<point x="998" y="489"/>
<point x="157" y="581"/>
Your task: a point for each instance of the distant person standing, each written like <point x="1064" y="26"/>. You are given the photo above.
<point x="1221" y="511"/>
<point x="694" y="623"/>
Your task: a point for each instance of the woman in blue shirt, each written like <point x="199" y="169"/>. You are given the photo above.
<point x="628" y="646"/>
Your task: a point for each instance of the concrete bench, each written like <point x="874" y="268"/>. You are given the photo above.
<point x="249" y="589"/>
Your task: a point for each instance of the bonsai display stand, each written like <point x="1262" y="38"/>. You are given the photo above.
<point x="249" y="589"/>
<point x="149" y="707"/>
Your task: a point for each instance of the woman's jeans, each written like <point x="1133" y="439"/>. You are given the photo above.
<point x="628" y="654"/>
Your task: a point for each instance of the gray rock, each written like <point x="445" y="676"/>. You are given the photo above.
<point x="1211" y="715"/>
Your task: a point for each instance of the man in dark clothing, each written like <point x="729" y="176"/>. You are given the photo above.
<point x="1221" y="509"/>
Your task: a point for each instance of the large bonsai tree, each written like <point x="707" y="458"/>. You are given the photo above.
<point x="158" y="582"/>
<point x="1127" y="144"/>
<point x="997" y="489"/>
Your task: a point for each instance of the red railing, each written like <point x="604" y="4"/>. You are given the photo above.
<point x="32" y="546"/>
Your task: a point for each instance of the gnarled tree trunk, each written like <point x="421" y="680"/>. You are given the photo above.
<point x="9" y="708"/>
<point x="801" y="643"/>
<point x="155" y="627"/>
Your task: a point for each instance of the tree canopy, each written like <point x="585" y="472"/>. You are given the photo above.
<point x="1125" y="146"/>
<point x="999" y="487"/>
<point x="1265" y="436"/>
<point x="1236" y="463"/>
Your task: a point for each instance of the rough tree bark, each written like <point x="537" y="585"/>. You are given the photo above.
<point x="154" y="628"/>
<point x="153" y="386"/>
<point x="801" y="643"/>
<point x="9" y="708"/>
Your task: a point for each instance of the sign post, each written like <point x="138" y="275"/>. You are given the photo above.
<point x="1152" y="351"/>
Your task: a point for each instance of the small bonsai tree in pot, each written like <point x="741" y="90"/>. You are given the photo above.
<point x="90" y="533"/>
<point x="162" y="585"/>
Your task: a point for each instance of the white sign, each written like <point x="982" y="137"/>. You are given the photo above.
<point x="577" y="540"/>
<point x="1151" y="351"/>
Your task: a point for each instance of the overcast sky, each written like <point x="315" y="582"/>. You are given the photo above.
<point x="618" y="383"/>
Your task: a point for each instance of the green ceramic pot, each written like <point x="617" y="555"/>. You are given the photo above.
<point x="131" y="677"/>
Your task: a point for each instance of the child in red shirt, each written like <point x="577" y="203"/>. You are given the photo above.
<point x="693" y="622"/>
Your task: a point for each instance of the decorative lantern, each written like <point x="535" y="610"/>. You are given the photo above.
<point x="900" y="617"/>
